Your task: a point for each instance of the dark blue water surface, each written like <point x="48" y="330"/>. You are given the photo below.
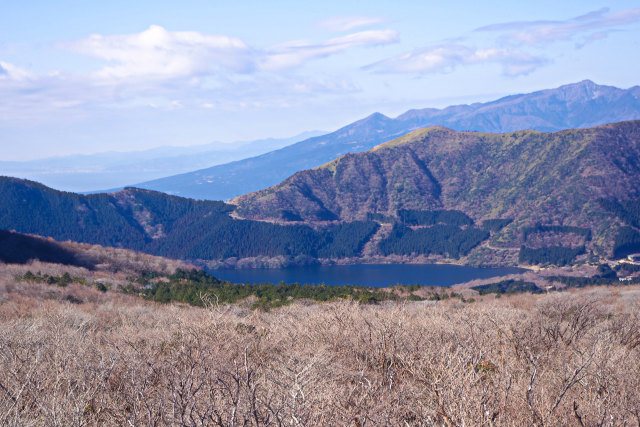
<point x="376" y="275"/>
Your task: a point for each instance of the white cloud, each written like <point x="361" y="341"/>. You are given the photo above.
<point x="346" y="23"/>
<point x="446" y="57"/>
<point x="592" y="26"/>
<point x="295" y="53"/>
<point x="158" y="53"/>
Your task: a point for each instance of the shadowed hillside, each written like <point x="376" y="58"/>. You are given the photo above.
<point x="18" y="248"/>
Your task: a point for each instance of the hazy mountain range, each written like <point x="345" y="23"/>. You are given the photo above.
<point x="93" y="172"/>
<point x="578" y="105"/>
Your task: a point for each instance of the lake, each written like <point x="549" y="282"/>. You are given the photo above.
<point x="375" y="275"/>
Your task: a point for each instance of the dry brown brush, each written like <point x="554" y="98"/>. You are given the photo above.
<point x="559" y="359"/>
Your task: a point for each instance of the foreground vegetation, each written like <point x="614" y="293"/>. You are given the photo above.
<point x="110" y="358"/>
<point x="196" y="287"/>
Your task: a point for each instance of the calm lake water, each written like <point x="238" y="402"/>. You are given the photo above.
<point x="377" y="275"/>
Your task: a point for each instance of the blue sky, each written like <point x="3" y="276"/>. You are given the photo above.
<point x="85" y="77"/>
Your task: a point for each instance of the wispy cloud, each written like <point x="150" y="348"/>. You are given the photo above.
<point x="179" y="69"/>
<point x="511" y="47"/>
<point x="11" y="72"/>
<point x="346" y="23"/>
<point x="295" y="53"/>
<point x="590" y="26"/>
<point x="162" y="54"/>
<point x="447" y="57"/>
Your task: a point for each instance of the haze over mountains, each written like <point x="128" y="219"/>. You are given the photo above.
<point x="578" y="105"/>
<point x="100" y="171"/>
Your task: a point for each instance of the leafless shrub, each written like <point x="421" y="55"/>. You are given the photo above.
<point x="568" y="359"/>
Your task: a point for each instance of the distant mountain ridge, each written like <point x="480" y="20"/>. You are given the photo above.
<point x="578" y="105"/>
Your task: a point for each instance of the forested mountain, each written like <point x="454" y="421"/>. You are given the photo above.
<point x="585" y="182"/>
<point x="165" y="225"/>
<point x="578" y="105"/>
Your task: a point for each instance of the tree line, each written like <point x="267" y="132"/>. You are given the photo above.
<point x="445" y="240"/>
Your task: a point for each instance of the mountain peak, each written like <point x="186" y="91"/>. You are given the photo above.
<point x="416" y="113"/>
<point x="585" y="83"/>
<point x="585" y="89"/>
<point x="375" y="118"/>
<point x="376" y="115"/>
<point x="412" y="137"/>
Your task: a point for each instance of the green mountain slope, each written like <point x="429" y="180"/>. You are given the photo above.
<point x="562" y="178"/>
<point x="435" y="194"/>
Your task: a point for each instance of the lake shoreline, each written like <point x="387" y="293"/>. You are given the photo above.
<point x="263" y="262"/>
<point x="370" y="275"/>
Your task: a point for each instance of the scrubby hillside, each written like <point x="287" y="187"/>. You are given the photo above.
<point x="518" y="360"/>
<point x="109" y="345"/>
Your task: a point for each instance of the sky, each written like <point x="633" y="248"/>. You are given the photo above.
<point x="78" y="76"/>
